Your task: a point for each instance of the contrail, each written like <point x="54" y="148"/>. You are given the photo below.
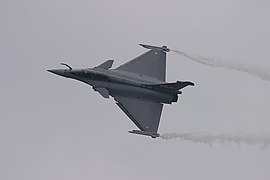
<point x="262" y="140"/>
<point x="252" y="70"/>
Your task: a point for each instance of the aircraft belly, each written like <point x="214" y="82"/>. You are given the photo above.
<point x="133" y="91"/>
<point x="140" y="93"/>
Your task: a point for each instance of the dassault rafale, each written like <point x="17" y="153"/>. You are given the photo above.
<point x="138" y="86"/>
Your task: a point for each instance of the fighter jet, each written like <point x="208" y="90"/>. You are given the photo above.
<point x="138" y="86"/>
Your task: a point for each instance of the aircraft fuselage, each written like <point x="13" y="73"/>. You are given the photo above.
<point x="120" y="83"/>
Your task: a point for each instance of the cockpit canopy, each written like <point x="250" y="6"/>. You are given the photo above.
<point x="90" y="75"/>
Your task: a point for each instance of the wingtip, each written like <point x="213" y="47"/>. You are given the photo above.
<point x="163" y="48"/>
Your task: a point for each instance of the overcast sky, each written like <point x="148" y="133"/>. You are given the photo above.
<point x="55" y="128"/>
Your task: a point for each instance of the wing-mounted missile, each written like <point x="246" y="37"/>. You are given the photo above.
<point x="163" y="48"/>
<point x="152" y="134"/>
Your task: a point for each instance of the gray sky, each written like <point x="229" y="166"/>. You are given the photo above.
<point x="56" y="128"/>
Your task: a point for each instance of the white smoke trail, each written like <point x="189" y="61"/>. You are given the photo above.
<point x="252" y="70"/>
<point x="262" y="140"/>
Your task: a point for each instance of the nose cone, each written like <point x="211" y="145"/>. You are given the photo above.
<point x="59" y="72"/>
